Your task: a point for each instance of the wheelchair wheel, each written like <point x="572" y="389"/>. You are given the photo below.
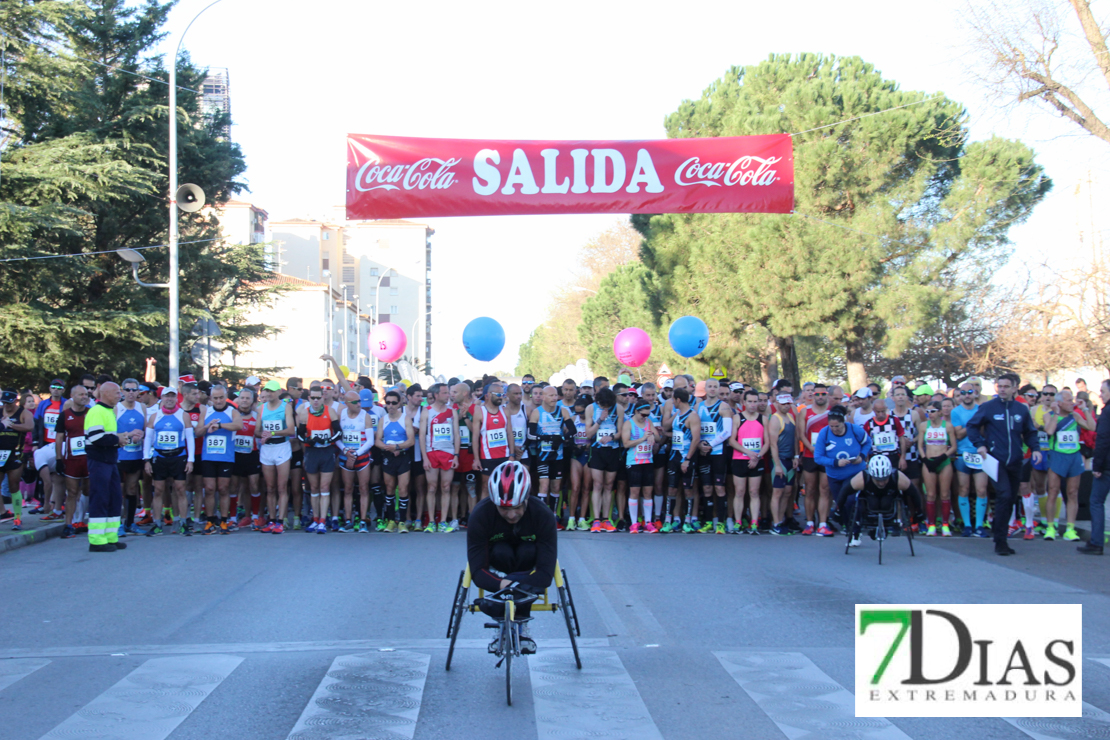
<point x="456" y="621"/>
<point x="563" y="604"/>
<point x="570" y="603"/>
<point x="455" y="602"/>
<point x="908" y="529"/>
<point x="508" y="632"/>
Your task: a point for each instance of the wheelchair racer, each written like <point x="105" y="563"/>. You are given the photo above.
<point x="510" y="542"/>
<point x="876" y="488"/>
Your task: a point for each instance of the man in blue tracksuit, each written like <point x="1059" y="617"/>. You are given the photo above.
<point x="843" y="449"/>
<point x="999" y="428"/>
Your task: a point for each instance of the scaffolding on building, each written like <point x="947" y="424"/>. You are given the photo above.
<point x="216" y="98"/>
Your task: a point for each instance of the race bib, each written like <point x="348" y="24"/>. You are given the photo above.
<point x="441" y="433"/>
<point x="813" y="438"/>
<point x="166" y="439"/>
<point x="352" y="438"/>
<point x="215" y="444"/>
<point x="496" y="438"/>
<point x="133" y="447"/>
<point x="885" y="441"/>
<point x="751" y="445"/>
<point x="320" y="435"/>
<point x="77" y="445"/>
<point x="373" y="421"/>
<point x="973" y="460"/>
<point x="49" y="419"/>
<point x="643" y="448"/>
<point x="464" y="435"/>
<point x="1042" y="440"/>
<point x="607" y="430"/>
<point x="1067" y="440"/>
<point x="4" y="455"/>
<point x="273" y="425"/>
<point x="936" y="436"/>
<point x="708" y="429"/>
<point x="244" y="443"/>
<point x="518" y="437"/>
<point x="677" y="438"/>
<point x="580" y="435"/>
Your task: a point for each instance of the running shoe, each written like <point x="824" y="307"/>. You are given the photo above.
<point x="780" y="530"/>
<point x="1050" y="532"/>
<point x="1071" y="535"/>
<point x="635" y="528"/>
<point x="622" y="526"/>
<point x="965" y="532"/>
<point x="403" y="528"/>
<point x="380" y="525"/>
<point x="824" y="532"/>
<point x="187" y="529"/>
<point x="650" y="528"/>
<point x="854" y="542"/>
<point x="985" y="532"/>
<point x="583" y="525"/>
<point x="311" y="528"/>
<point x="688" y="528"/>
<point x="607" y="526"/>
<point x="596" y="526"/>
<point x="706" y="528"/>
<point x="81" y="527"/>
<point x="268" y="528"/>
<point x="945" y="531"/>
<point x="68" y="532"/>
<point x="224" y="528"/>
<point x="347" y="527"/>
<point x="931" y="531"/>
<point x="209" y="528"/>
<point x="1028" y="533"/>
<point x="559" y="526"/>
<point x="154" y="531"/>
<point x="244" y="522"/>
<point x="720" y="528"/>
<point x="754" y="530"/>
<point x="391" y="526"/>
<point x="133" y="529"/>
<point x="442" y="528"/>
<point x="571" y="524"/>
<point x="730" y="526"/>
<point x="7" y="516"/>
<point x="321" y="529"/>
<point x="431" y="528"/>
<point x="452" y="526"/>
<point x="362" y="529"/>
<point x="297" y="525"/>
<point x="279" y="528"/>
<point x="667" y="528"/>
<point x="17" y="524"/>
<point x="36" y="511"/>
<point x="1014" y="529"/>
<point x="808" y="530"/>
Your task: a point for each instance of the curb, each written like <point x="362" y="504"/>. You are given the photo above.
<point x="16" y="540"/>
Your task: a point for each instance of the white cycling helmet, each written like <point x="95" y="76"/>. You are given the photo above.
<point x="880" y="467"/>
<point x="509" y="484"/>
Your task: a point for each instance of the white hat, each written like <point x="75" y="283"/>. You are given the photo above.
<point x="784" y="398"/>
<point x="168" y="389"/>
<point x="863" y="392"/>
<point x="668" y="383"/>
<point x="252" y="380"/>
<point x="736" y="386"/>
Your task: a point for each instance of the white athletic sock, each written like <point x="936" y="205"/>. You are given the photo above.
<point x="659" y="502"/>
<point x="809" y="523"/>
<point x="1030" y="504"/>
<point x="634" y="510"/>
<point x="647" y="511"/>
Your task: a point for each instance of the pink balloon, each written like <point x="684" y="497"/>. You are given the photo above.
<point x="388" y="342"/>
<point x="632" y="347"/>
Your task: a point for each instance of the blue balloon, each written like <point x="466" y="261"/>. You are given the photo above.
<point x="689" y="336"/>
<point x="483" y="338"/>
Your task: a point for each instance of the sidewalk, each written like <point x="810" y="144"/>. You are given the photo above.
<point x="33" y="531"/>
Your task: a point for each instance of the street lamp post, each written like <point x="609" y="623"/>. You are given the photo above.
<point x="175" y="338"/>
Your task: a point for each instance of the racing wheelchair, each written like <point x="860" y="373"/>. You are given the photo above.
<point x="885" y="517"/>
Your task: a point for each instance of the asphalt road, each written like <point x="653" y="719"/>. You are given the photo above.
<point x="342" y="636"/>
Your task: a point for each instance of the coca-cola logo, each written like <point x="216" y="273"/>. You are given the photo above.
<point x="747" y="170"/>
<point x="428" y="173"/>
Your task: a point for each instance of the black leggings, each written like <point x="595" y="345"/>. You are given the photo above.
<point x="508" y="559"/>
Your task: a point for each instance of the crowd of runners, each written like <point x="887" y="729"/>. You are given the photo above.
<point x="683" y="456"/>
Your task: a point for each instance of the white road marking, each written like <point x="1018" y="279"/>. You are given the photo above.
<point x="13" y="670"/>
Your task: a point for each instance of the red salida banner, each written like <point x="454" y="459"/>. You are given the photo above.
<point x="405" y="177"/>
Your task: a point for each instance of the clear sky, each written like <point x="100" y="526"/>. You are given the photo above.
<point x="303" y="75"/>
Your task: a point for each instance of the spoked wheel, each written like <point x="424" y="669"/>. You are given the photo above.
<point x="909" y="530"/>
<point x="880" y="535"/>
<point x="456" y="621"/>
<point x="570" y="603"/>
<point x="508" y="646"/>
<point x="455" y="603"/>
<point x="564" y="605"/>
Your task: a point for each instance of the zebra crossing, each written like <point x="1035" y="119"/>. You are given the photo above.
<point x="381" y="694"/>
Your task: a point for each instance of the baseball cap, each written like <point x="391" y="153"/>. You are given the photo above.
<point x="252" y="380"/>
<point x="668" y="383"/>
<point x="699" y="389"/>
<point x="9" y="397"/>
<point x="204" y="386"/>
<point x="187" y="379"/>
<point x="736" y="386"/>
<point x="625" y="378"/>
<point x="167" y="390"/>
<point x="784" y="398"/>
<point x="863" y="392"/>
<point x="366" y="398"/>
<point x="899" y="379"/>
<point x="273" y="385"/>
<point x="923" y="390"/>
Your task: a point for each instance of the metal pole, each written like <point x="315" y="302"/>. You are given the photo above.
<point x="175" y="338"/>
